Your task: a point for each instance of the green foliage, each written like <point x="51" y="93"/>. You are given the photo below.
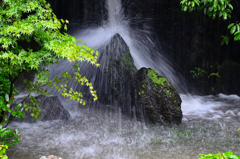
<point x="30" y="40"/>
<point x="235" y="30"/>
<point x="3" y="149"/>
<point x="214" y="8"/>
<point x="220" y="155"/>
<point x="225" y="40"/>
<point x="198" y="72"/>
<point x="8" y="137"/>
<point x="214" y="74"/>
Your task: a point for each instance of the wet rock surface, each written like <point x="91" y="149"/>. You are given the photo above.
<point x="51" y="109"/>
<point x="50" y="157"/>
<point x="119" y="75"/>
<point x="157" y="100"/>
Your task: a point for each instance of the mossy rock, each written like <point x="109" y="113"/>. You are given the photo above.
<point x="158" y="101"/>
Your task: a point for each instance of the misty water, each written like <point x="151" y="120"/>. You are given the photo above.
<point x="209" y="123"/>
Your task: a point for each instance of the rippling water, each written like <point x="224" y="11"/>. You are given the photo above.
<point x="209" y="125"/>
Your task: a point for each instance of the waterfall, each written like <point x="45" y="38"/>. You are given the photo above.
<point x="145" y="50"/>
<point x="114" y="13"/>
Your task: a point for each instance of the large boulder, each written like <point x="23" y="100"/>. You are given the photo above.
<point x="51" y="109"/>
<point x="119" y="72"/>
<point x="157" y="100"/>
<point x="113" y="80"/>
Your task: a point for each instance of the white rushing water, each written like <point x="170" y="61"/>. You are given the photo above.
<point x="209" y="124"/>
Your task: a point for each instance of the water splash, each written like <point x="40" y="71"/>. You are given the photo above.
<point x="101" y="133"/>
<point x="145" y="50"/>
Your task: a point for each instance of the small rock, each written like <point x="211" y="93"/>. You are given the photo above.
<point x="50" y="157"/>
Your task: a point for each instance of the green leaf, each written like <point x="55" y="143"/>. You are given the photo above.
<point x="5" y="157"/>
<point x="7" y="97"/>
<point x="185" y="8"/>
<point x="221" y="1"/>
<point x="238" y="27"/>
<point x="233" y="29"/>
<point x="236" y="33"/>
<point x="237" y="36"/>
<point x="230" y="25"/>
<point x="224" y="15"/>
<point x="215" y="4"/>
<point x="230" y="6"/>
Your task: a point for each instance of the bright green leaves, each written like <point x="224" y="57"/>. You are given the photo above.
<point x="235" y="30"/>
<point x="198" y="72"/>
<point x="60" y="84"/>
<point x="8" y="137"/>
<point x="220" y="155"/>
<point x="29" y="40"/>
<point x="214" y="8"/>
<point x="11" y="137"/>
<point x="3" y="149"/>
<point x="40" y="31"/>
<point x="42" y="75"/>
<point x="220" y="8"/>
<point x="189" y="4"/>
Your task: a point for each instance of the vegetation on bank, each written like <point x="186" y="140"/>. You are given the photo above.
<point x="32" y="38"/>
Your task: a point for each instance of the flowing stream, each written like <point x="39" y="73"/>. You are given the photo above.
<point x="209" y="123"/>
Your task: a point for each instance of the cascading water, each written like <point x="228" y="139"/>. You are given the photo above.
<point x="209" y="125"/>
<point x="145" y="51"/>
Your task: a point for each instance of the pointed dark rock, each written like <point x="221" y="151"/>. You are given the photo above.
<point x="114" y="79"/>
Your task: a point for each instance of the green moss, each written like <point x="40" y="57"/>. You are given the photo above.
<point x="158" y="80"/>
<point x="142" y="88"/>
<point x="128" y="61"/>
<point x="153" y="75"/>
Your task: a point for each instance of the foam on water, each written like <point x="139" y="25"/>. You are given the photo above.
<point x="102" y="133"/>
<point x="209" y="107"/>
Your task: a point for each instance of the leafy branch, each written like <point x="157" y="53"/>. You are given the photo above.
<point x="214" y="8"/>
